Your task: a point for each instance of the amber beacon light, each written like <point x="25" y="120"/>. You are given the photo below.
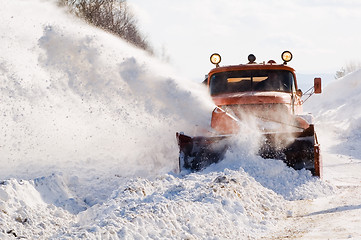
<point x="215" y="59"/>
<point x="286" y="56"/>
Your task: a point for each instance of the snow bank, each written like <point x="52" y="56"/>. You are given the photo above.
<point x="197" y="206"/>
<point x="337" y="102"/>
<point x="24" y="214"/>
<point x="338" y="114"/>
<point x="226" y="205"/>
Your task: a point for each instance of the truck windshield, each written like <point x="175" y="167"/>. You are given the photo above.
<point x="251" y="80"/>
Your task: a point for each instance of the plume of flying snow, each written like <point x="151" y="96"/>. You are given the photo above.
<point x="75" y="97"/>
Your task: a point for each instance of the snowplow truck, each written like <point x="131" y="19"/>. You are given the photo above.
<point x="262" y="94"/>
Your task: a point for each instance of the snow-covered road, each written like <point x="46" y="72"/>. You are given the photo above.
<point x="337" y="216"/>
<point x="333" y="217"/>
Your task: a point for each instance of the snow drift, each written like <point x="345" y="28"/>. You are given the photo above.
<point x="338" y="102"/>
<point x="337" y="109"/>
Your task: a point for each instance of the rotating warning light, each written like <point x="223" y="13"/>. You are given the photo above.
<point x="286" y="56"/>
<point x="215" y="59"/>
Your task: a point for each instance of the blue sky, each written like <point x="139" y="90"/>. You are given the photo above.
<point x="323" y="35"/>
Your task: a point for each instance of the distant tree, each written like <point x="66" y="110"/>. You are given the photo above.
<point x="349" y="68"/>
<point x="111" y="15"/>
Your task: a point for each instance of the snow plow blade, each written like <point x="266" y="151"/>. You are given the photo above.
<point x="197" y="153"/>
<point x="302" y="151"/>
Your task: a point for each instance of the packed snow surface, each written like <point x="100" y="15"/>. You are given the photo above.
<point x="88" y="148"/>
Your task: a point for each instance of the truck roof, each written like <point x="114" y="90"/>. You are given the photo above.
<point x="253" y="66"/>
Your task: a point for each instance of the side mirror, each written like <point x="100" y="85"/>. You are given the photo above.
<point x="316" y="88"/>
<point x="299" y="93"/>
<point x="317" y="85"/>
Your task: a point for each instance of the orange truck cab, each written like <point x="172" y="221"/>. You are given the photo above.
<point x="266" y="93"/>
